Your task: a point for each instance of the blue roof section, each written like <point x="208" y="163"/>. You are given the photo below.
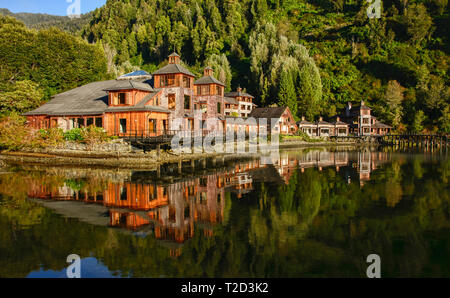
<point x="136" y="73"/>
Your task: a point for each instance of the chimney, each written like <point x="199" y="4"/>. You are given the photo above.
<point x="208" y="71"/>
<point x="320" y="119"/>
<point x="362" y="102"/>
<point x="303" y="118"/>
<point x="338" y="119"/>
<point x="239" y="89"/>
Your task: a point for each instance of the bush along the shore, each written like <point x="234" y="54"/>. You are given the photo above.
<point x="16" y="135"/>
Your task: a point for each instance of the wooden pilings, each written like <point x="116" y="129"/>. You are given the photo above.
<point x="426" y="142"/>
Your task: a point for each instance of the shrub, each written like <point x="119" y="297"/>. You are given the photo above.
<point x="94" y="135"/>
<point x="75" y="134"/>
<point x="14" y="135"/>
<point x="51" y="136"/>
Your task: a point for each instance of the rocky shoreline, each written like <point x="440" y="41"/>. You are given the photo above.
<point x="124" y="156"/>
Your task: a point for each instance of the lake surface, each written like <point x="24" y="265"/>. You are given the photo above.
<point x="311" y="213"/>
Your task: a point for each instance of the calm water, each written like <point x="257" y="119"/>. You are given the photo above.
<point x="313" y="213"/>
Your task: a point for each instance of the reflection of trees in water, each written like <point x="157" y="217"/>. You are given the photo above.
<point x="284" y="215"/>
<point x="317" y="225"/>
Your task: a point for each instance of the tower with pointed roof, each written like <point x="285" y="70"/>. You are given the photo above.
<point x="209" y="94"/>
<point x="177" y="87"/>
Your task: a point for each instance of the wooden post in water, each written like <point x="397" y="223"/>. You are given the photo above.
<point x="180" y="166"/>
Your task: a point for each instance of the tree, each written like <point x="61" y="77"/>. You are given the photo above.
<point x="286" y="94"/>
<point x="394" y="98"/>
<point x="22" y="96"/>
<point x="419" y="118"/>
<point x="418" y="22"/>
<point x="221" y="67"/>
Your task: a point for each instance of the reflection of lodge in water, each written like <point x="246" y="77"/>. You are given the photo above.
<point x="171" y="210"/>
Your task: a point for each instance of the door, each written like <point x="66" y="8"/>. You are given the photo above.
<point x="152" y="127"/>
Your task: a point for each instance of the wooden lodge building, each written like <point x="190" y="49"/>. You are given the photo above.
<point x="361" y="121"/>
<point x="357" y="121"/>
<point x="144" y="104"/>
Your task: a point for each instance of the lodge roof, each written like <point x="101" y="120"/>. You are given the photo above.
<point x="208" y="80"/>
<point x="230" y="100"/>
<point x="324" y="123"/>
<point x="380" y="125"/>
<point x="129" y="84"/>
<point x="337" y="123"/>
<point x="274" y="112"/>
<point x="173" y="69"/>
<point x="89" y="99"/>
<point x="238" y="93"/>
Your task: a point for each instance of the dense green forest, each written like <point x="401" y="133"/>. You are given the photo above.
<point x="312" y="55"/>
<point x="36" y="64"/>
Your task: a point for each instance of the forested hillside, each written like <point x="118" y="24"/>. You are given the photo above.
<point x="35" y="65"/>
<point x="312" y="55"/>
<point x="43" y="21"/>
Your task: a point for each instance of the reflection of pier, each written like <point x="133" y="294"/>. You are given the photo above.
<point x="174" y="211"/>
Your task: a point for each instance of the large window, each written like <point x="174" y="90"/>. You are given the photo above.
<point x="123" y="125"/>
<point x="168" y="80"/>
<point x="365" y="120"/>
<point x="122" y="98"/>
<point x="205" y="90"/>
<point x="187" y="102"/>
<point x="89" y="121"/>
<point x="171" y="101"/>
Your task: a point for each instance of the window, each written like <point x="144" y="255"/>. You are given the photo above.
<point x="168" y="80"/>
<point x="219" y="107"/>
<point x="219" y="90"/>
<point x="205" y="89"/>
<point x="171" y="101"/>
<point x="99" y="122"/>
<point x="114" y="99"/>
<point x="80" y="122"/>
<point x="122" y="98"/>
<point x="89" y="121"/>
<point x="365" y="120"/>
<point x="123" y="193"/>
<point x="123" y="125"/>
<point x="186" y="82"/>
<point x="187" y="102"/>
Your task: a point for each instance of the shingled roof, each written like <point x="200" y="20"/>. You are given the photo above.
<point x="274" y="112"/>
<point x="89" y="99"/>
<point x="238" y="93"/>
<point x="208" y="80"/>
<point x="129" y="84"/>
<point x="173" y="69"/>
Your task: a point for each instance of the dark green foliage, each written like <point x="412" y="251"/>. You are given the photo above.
<point x="341" y="55"/>
<point x="356" y="57"/>
<point x="38" y="64"/>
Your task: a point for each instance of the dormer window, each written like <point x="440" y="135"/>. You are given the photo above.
<point x="122" y="98"/>
<point x="118" y="98"/>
